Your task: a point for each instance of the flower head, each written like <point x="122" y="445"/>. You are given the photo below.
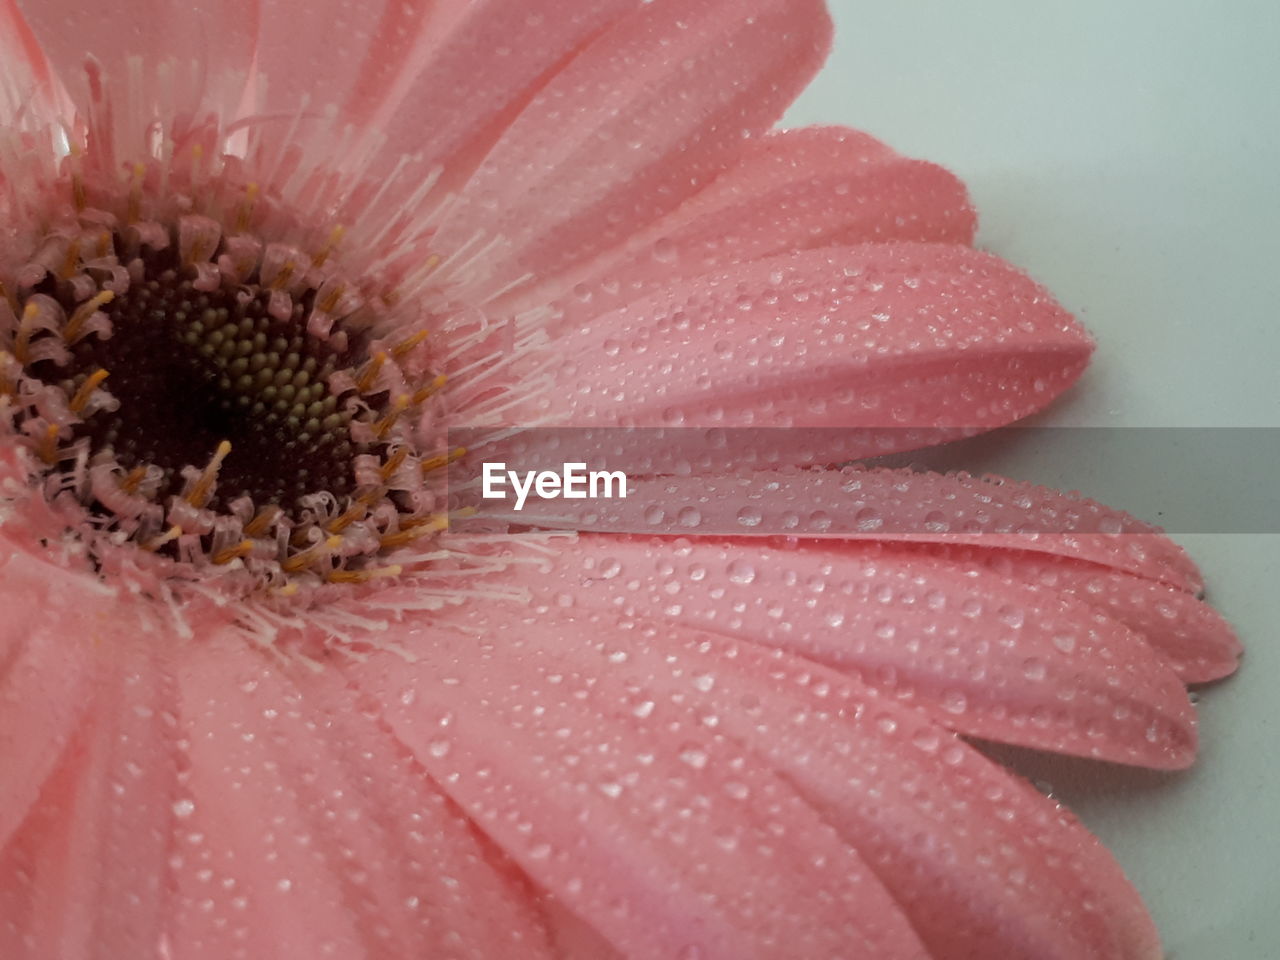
<point x="266" y="688"/>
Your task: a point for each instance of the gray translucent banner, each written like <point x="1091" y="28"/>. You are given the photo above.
<point x="1185" y="480"/>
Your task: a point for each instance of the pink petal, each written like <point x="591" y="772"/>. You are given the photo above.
<point x="44" y="678"/>
<point x="892" y="336"/>
<point x="432" y="78"/>
<point x="1185" y="631"/>
<point x="889" y="505"/>
<point x="215" y="40"/>
<point x="86" y="876"/>
<point x="984" y="866"/>
<point x="791" y="190"/>
<point x="980" y="655"/>
<point x="310" y="832"/>
<point x="800" y="189"/>
<point x="638" y="121"/>
<point x="24" y="65"/>
<point x="628" y="820"/>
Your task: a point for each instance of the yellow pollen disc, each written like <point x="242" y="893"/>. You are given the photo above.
<point x="91" y="383"/>
<point x="203" y="489"/>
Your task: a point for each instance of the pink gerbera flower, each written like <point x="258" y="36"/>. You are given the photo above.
<point x="261" y="696"/>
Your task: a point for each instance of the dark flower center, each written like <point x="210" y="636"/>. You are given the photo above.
<point x="216" y="410"/>
<point x="193" y="369"/>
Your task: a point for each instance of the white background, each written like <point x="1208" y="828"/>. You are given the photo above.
<point x="1127" y="155"/>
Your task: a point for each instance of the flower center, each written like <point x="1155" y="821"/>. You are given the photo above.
<point x="192" y="369"/>
<point x="218" y="403"/>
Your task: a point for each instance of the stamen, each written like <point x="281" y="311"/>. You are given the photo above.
<point x="335" y="237"/>
<point x="430" y="390"/>
<point x="14" y="305"/>
<point x="26" y="327"/>
<point x="70" y="260"/>
<point x="240" y="550"/>
<point x="134" y="210"/>
<point x="394" y="463"/>
<point x="363" y="575"/>
<point x="300" y="561"/>
<point x="244" y="215"/>
<point x="405" y="347"/>
<point x="357" y="511"/>
<point x="284" y="276"/>
<point x="383" y="426"/>
<point x="74" y="329"/>
<point x="155" y="543"/>
<point x="133" y="480"/>
<point x="406" y="535"/>
<point x="331" y="299"/>
<point x="47" y="448"/>
<point x="91" y="383"/>
<point x="369" y="375"/>
<point x="443" y="460"/>
<point x="203" y="489"/>
<point x="261" y="523"/>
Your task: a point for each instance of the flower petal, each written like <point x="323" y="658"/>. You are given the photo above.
<point x="85" y="878"/>
<point x="982" y="655"/>
<point x="790" y="190"/>
<point x="984" y="866"/>
<point x="429" y="78"/>
<point x="899" y="505"/>
<point x="45" y="675"/>
<point x="206" y="45"/>
<point x="625" y="819"/>
<point x="1185" y="631"/>
<point x="891" y="336"/>
<point x="25" y="69"/>
<point x="652" y="109"/>
<point x="310" y="832"/>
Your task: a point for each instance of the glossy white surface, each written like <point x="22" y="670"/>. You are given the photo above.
<point x="1127" y="155"/>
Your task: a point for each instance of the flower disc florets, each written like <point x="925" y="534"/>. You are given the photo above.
<point x="217" y="400"/>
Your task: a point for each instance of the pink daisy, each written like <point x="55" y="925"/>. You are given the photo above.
<point x="262" y="696"/>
